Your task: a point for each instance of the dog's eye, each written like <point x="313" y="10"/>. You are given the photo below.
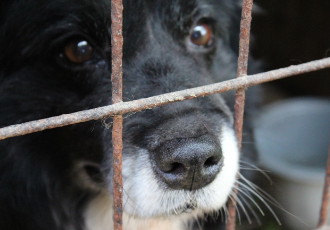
<point x="78" y="51"/>
<point x="201" y="35"/>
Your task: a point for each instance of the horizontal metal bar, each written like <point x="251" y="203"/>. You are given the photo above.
<point x="147" y="103"/>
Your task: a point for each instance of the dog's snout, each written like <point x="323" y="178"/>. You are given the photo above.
<point x="188" y="164"/>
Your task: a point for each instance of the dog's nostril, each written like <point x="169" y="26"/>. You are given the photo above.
<point x="211" y="161"/>
<point x="94" y="172"/>
<point x="176" y="168"/>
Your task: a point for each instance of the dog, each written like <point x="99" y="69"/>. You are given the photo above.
<point x="180" y="160"/>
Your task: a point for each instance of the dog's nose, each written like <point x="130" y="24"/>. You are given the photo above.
<point x="188" y="164"/>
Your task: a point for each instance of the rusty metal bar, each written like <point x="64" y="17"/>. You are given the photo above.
<point x="326" y="195"/>
<point x="242" y="64"/>
<point x="148" y="103"/>
<point x="117" y="182"/>
<point x="116" y="84"/>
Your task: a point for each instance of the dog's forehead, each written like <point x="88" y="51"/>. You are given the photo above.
<point x="174" y="16"/>
<point x="170" y="12"/>
<point x="174" y="13"/>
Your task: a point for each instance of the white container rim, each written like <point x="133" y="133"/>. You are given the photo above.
<point x="273" y="162"/>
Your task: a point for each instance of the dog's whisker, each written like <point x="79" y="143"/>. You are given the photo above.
<point x="226" y="213"/>
<point x="221" y="213"/>
<point x="261" y="192"/>
<point x="248" y="143"/>
<point x="241" y="191"/>
<point x="197" y="222"/>
<point x="261" y="198"/>
<point x="240" y="204"/>
<point x="128" y="200"/>
<point x="263" y="172"/>
<point x="233" y="197"/>
<point x="251" y="209"/>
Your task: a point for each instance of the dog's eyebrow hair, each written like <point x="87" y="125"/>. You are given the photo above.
<point x="187" y="18"/>
<point x="206" y="10"/>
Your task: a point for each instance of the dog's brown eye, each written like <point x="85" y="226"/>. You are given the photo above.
<point x="201" y="35"/>
<point x="78" y="51"/>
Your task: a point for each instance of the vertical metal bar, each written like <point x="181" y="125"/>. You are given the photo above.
<point x="326" y="195"/>
<point x="116" y="170"/>
<point x="116" y="80"/>
<point x="242" y="64"/>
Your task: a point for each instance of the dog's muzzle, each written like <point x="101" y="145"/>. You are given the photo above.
<point x="189" y="163"/>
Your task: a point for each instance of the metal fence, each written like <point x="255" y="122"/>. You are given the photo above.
<point x="118" y="107"/>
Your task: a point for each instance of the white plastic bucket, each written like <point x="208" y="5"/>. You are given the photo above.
<point x="292" y="138"/>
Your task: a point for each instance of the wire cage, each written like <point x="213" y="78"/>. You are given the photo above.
<point x="118" y="107"/>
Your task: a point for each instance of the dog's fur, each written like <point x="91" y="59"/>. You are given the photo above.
<point x="61" y="178"/>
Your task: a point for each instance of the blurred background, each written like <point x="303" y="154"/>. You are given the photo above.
<point x="293" y="129"/>
<point x="290" y="32"/>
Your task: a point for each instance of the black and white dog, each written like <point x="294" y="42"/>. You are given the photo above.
<point x="179" y="160"/>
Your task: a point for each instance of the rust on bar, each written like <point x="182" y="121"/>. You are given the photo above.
<point x="326" y="195"/>
<point x="117" y="182"/>
<point x="244" y="38"/>
<point x="117" y="54"/>
<point x="242" y="64"/>
<point x="239" y="114"/>
<point x="116" y="84"/>
<point x="151" y="102"/>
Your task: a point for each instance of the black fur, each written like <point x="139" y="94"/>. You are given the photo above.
<point x="42" y="183"/>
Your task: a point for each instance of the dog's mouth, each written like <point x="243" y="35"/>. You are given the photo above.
<point x="186" y="208"/>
